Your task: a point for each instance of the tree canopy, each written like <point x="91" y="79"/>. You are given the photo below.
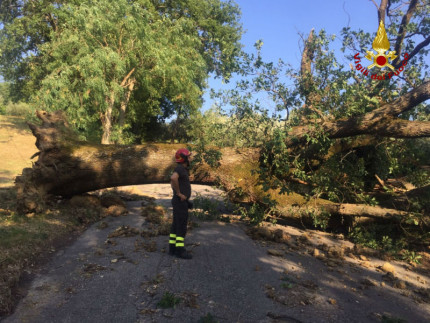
<point x="118" y="64"/>
<point x="342" y="133"/>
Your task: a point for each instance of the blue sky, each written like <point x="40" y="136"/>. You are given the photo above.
<point x="279" y="22"/>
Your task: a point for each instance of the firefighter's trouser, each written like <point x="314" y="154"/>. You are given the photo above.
<point x="178" y="230"/>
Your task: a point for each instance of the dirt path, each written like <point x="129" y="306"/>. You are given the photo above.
<point x="231" y="278"/>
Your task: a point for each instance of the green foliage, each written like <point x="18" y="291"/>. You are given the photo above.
<point x="411" y="257"/>
<point x="11" y="108"/>
<point x="274" y="161"/>
<point x="217" y="24"/>
<point x="391" y="239"/>
<point x="287" y="285"/>
<point x="4" y="97"/>
<point x="208" y="128"/>
<point x="247" y="122"/>
<point x="205" y="208"/>
<point x="256" y="212"/>
<point x="168" y="300"/>
<point x="288" y="282"/>
<point x="100" y="55"/>
<point x="320" y="220"/>
<point x="379" y="237"/>
<point x="201" y="153"/>
<point x="19" y="109"/>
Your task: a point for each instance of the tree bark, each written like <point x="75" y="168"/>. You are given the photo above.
<point x="402" y="30"/>
<point x="124" y="104"/>
<point x="383" y="122"/>
<point x="106" y="119"/>
<point x="361" y="210"/>
<point x="381" y="10"/>
<point x="345" y="214"/>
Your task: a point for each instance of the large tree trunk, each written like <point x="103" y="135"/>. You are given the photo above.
<point x="67" y="166"/>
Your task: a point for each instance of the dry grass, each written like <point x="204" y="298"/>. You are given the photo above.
<point x="17" y="145"/>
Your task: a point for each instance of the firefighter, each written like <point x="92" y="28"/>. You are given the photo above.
<point x="181" y="186"/>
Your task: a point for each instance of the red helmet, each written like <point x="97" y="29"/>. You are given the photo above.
<point x="181" y="155"/>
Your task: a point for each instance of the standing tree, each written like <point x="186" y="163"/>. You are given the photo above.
<point x="109" y="49"/>
<point x="97" y="60"/>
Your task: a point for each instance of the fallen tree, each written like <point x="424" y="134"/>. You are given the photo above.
<point x="67" y="166"/>
<point x="319" y="135"/>
<point x="334" y="150"/>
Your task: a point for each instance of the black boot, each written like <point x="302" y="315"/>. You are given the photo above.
<point x="182" y="253"/>
<point x="172" y="249"/>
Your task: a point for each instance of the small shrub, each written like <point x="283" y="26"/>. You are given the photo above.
<point x="287" y="285"/>
<point x="389" y="239"/>
<point x="168" y="300"/>
<point x="320" y="220"/>
<point x="19" y="109"/>
<point x="378" y="237"/>
<point x="411" y="257"/>
<point x="205" y="209"/>
<point x="256" y="213"/>
<point x="203" y="154"/>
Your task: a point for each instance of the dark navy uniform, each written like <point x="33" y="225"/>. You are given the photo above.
<point x="178" y="230"/>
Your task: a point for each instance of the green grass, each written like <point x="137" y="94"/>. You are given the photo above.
<point x="13" y="235"/>
<point x="168" y="300"/>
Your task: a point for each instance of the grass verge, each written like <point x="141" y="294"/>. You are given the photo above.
<point x="26" y="242"/>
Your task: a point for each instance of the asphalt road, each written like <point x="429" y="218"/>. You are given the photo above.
<point x="231" y="278"/>
<point x="96" y="281"/>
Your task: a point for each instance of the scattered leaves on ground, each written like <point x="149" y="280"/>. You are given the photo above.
<point x="124" y="231"/>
